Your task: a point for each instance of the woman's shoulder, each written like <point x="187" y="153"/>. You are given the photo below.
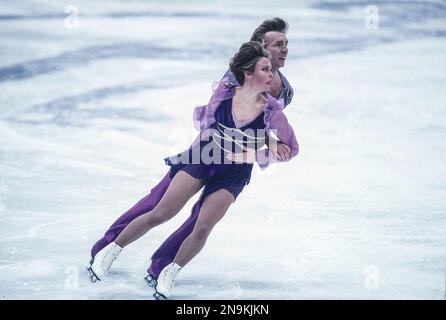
<point x="222" y="90"/>
<point x="272" y="103"/>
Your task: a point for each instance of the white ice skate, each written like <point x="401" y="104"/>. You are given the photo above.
<point x="102" y="261"/>
<point x="166" y="280"/>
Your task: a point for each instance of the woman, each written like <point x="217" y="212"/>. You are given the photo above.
<point x="233" y="128"/>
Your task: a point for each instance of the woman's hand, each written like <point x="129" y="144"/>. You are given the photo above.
<point x="280" y="150"/>
<point x="248" y="156"/>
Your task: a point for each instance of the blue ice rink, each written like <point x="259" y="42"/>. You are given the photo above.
<point x="94" y="97"/>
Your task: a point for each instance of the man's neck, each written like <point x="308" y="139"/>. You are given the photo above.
<point x="277" y="85"/>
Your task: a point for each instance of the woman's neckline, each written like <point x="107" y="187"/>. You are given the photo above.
<point x="247" y="121"/>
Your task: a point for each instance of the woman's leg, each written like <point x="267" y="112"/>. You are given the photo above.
<point x="165" y="254"/>
<point x="213" y="209"/>
<point x="180" y="190"/>
<point x="146" y="204"/>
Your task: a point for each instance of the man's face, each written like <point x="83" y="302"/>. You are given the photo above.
<point x="277" y="44"/>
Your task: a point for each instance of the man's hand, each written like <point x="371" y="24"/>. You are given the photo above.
<point x="281" y="151"/>
<point x="248" y="156"/>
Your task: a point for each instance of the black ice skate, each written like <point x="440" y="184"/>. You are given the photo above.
<point x="91" y="275"/>
<point x="151" y="281"/>
<point x="159" y="296"/>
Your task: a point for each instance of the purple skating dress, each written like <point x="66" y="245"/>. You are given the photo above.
<point x="222" y="173"/>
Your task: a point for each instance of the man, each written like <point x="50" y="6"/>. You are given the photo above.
<point x="272" y="33"/>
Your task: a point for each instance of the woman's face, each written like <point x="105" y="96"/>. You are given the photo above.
<point x="262" y="77"/>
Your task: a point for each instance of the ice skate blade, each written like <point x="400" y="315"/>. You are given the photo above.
<point x="159" y="296"/>
<point x="152" y="282"/>
<point x="93" y="277"/>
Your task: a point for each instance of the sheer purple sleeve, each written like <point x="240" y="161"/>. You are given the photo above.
<point x="204" y="115"/>
<point x="277" y="122"/>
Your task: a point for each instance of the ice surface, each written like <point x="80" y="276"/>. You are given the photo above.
<point x="88" y="114"/>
